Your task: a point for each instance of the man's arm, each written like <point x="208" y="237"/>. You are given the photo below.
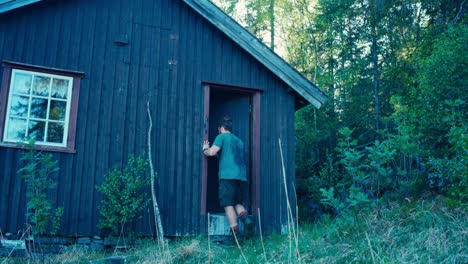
<point x="210" y="151"/>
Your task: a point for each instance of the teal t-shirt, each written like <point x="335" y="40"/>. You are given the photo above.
<point x="231" y="161"/>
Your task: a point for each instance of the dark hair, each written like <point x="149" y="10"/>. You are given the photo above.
<point x="226" y="122"/>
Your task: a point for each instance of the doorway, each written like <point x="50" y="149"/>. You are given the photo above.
<point x="243" y="106"/>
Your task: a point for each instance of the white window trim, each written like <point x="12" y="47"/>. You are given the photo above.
<point x="49" y="97"/>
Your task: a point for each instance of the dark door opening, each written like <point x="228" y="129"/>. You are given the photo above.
<point x="243" y="105"/>
<point x="237" y="106"/>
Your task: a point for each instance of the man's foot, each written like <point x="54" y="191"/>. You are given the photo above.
<point x="248" y="225"/>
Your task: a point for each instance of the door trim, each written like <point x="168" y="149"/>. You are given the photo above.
<point x="255" y="144"/>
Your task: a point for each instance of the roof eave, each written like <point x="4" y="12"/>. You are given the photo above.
<point x="15" y="4"/>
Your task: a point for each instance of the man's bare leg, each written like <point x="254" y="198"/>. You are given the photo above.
<point x="240" y="208"/>
<point x="231" y="216"/>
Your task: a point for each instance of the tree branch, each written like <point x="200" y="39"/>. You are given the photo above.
<point x="459" y="12"/>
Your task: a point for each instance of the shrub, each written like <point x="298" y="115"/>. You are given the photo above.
<point x="358" y="174"/>
<point x="450" y="174"/>
<point x="123" y="195"/>
<point x="37" y="171"/>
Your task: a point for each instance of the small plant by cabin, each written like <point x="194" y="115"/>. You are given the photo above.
<point x="38" y="171"/>
<point x="123" y="196"/>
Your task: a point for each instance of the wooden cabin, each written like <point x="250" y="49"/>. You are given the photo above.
<point x="77" y="76"/>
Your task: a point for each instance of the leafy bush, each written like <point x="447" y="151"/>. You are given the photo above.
<point x="450" y="175"/>
<point x="326" y="177"/>
<point x="357" y="176"/>
<point x="350" y="158"/>
<point x="37" y="171"/>
<point x="123" y="195"/>
<point x="347" y="183"/>
<point x="378" y="167"/>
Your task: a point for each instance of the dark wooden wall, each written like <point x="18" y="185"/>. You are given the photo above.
<point x="171" y="50"/>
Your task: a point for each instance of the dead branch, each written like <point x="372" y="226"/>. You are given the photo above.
<point x="157" y="215"/>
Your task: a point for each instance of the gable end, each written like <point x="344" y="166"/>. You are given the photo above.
<point x="259" y="51"/>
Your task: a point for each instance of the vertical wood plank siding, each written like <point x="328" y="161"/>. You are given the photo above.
<point x="171" y="50"/>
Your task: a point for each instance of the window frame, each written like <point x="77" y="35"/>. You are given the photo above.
<point x="8" y="69"/>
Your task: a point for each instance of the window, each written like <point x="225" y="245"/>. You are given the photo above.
<point x="40" y="104"/>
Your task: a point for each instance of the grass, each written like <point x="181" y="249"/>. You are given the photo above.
<point x="413" y="233"/>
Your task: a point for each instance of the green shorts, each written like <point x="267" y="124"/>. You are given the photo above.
<point x="231" y="192"/>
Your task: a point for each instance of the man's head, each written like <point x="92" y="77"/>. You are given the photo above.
<point x="225" y="124"/>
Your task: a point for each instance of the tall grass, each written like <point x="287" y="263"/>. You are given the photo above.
<point x="412" y="233"/>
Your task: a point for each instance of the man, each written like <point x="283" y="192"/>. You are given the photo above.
<point x="232" y="174"/>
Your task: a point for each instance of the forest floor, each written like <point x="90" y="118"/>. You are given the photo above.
<point x="418" y="232"/>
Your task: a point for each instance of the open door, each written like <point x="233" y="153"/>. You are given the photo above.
<point x="240" y="105"/>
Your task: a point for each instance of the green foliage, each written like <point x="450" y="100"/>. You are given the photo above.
<point x="397" y="66"/>
<point x="328" y="175"/>
<point x="56" y="220"/>
<point x="37" y="172"/>
<point x="357" y="173"/>
<point x="451" y="174"/>
<point x="422" y="93"/>
<point x="328" y="198"/>
<point x="431" y="117"/>
<point x="123" y="193"/>
<point x="379" y="166"/>
<point x="255" y="15"/>
<point x="437" y="103"/>
<point x="353" y="203"/>
<point x="350" y="158"/>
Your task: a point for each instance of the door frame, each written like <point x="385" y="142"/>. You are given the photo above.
<point x="254" y="94"/>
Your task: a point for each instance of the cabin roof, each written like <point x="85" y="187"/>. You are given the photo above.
<point x="283" y="70"/>
<point x="7" y="5"/>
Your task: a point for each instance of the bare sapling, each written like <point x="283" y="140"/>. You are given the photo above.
<point x="238" y="246"/>
<point x="157" y="215"/>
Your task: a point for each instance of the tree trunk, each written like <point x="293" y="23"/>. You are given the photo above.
<point x="375" y="64"/>
<point x="272" y="24"/>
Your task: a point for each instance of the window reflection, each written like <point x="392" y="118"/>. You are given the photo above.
<point x="22" y="83"/>
<point x="55" y="132"/>
<point x="16" y="128"/>
<point x="19" y="105"/>
<point x="57" y="110"/>
<point x="38" y="108"/>
<point x="59" y="88"/>
<point x="36" y="130"/>
<point x="41" y="86"/>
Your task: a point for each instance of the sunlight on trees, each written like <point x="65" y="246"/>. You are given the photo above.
<point x="395" y="74"/>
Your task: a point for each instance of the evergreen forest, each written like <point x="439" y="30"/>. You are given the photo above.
<point x="394" y="128"/>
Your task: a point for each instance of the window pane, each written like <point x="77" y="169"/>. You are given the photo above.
<point x="22" y="83"/>
<point x="16" y="129"/>
<point x="59" y="88"/>
<point x="36" y="130"/>
<point x="55" y="132"/>
<point x="38" y="108"/>
<point x="41" y="85"/>
<point x="19" y="105"/>
<point x="57" y="110"/>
